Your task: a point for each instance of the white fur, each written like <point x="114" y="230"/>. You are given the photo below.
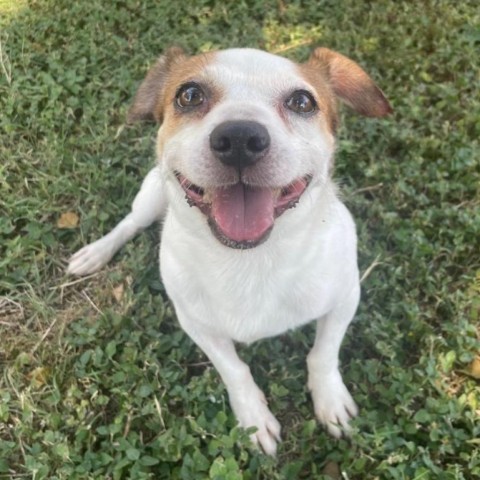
<point x="306" y="269"/>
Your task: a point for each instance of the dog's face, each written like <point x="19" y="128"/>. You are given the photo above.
<point x="244" y="132"/>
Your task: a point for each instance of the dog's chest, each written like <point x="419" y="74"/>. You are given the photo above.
<point x="246" y="296"/>
<point x="264" y="304"/>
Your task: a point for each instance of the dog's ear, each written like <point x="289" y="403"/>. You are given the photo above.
<point x="351" y="83"/>
<point x="146" y="104"/>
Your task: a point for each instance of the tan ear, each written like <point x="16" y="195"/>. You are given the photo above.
<point x="146" y="102"/>
<point x="351" y="83"/>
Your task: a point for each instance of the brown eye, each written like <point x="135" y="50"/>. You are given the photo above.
<point x="301" y="102"/>
<point x="190" y="95"/>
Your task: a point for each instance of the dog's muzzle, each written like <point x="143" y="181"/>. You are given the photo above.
<point x="242" y="215"/>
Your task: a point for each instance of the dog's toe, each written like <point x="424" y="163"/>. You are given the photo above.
<point x="267" y="435"/>
<point x="333" y="404"/>
<point x="89" y="259"/>
<point x="266" y="442"/>
<point x="252" y="410"/>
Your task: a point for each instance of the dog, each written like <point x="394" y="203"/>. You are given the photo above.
<point x="255" y="240"/>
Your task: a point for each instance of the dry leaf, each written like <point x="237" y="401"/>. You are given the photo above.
<point x="39" y="376"/>
<point x="474" y="368"/>
<point x="67" y="220"/>
<point x="332" y="470"/>
<point x="118" y="292"/>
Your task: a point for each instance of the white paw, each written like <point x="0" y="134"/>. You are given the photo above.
<point x="251" y="410"/>
<point x="90" y="258"/>
<point x="333" y="404"/>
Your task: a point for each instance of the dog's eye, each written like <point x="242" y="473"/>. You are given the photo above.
<point x="190" y="95"/>
<point x="301" y="102"/>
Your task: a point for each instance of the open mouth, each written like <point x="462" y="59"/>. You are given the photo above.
<point x="242" y="216"/>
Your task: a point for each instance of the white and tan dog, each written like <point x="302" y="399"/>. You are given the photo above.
<point x="255" y="240"/>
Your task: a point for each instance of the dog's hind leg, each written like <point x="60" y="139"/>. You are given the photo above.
<point x="149" y="206"/>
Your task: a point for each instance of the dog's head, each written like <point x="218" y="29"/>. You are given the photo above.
<point x="244" y="132"/>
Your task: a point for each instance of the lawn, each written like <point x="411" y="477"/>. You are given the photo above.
<point x="97" y="381"/>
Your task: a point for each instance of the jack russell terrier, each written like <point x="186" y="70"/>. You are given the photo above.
<point x="255" y="240"/>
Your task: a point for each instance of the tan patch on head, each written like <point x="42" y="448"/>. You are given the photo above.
<point x="150" y="90"/>
<point x="325" y="96"/>
<point x="157" y="91"/>
<point x="191" y="69"/>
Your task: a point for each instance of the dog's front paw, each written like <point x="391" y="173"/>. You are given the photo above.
<point x="251" y="410"/>
<point x="91" y="258"/>
<point x="333" y="404"/>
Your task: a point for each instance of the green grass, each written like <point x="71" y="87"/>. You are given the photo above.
<point x="97" y="381"/>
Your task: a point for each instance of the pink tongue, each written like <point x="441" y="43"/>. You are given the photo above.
<point x="243" y="213"/>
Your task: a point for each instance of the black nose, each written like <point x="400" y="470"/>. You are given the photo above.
<point x="239" y="143"/>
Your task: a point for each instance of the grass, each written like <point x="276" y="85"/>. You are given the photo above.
<point x="97" y="381"/>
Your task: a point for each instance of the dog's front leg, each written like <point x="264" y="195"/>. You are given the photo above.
<point x="149" y="206"/>
<point x="246" y="399"/>
<point x="333" y="404"/>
